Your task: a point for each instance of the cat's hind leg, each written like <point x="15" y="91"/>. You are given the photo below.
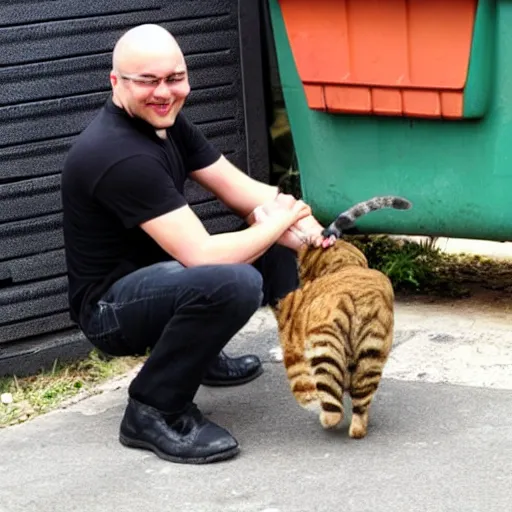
<point x="328" y="376"/>
<point x="365" y="380"/>
<point x="331" y="415"/>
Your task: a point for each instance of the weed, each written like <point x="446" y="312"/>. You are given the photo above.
<point x="45" y="391"/>
<point x="422" y="268"/>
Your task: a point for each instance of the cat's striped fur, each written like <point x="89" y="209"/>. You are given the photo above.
<point x="336" y="330"/>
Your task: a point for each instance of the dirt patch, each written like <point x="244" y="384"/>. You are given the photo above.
<point x="471" y="288"/>
<point x="495" y="305"/>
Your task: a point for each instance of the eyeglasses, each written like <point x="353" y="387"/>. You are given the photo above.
<point x="153" y="81"/>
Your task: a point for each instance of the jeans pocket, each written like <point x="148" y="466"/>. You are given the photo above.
<point x="104" y="332"/>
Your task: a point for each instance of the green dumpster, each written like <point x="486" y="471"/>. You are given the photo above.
<point x="402" y="97"/>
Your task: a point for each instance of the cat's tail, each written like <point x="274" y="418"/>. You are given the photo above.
<point x="347" y="218"/>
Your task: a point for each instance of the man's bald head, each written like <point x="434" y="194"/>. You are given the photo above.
<point x="143" y="43"/>
<point x="149" y="76"/>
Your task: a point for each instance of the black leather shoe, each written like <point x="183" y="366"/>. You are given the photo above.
<point x="186" y="437"/>
<point x="232" y="371"/>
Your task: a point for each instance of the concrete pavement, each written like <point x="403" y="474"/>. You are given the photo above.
<point x="440" y="436"/>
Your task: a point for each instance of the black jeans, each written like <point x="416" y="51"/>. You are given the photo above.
<point x="184" y="317"/>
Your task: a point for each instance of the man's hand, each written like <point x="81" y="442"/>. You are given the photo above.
<point x="291" y="239"/>
<point x="283" y="205"/>
<point x="311" y="230"/>
<point x="305" y="231"/>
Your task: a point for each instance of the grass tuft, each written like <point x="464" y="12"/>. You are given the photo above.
<point x="40" y="393"/>
<point x="422" y="268"/>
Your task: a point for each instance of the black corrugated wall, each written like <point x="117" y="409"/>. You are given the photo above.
<point x="54" y="65"/>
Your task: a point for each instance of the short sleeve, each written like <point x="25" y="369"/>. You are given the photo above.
<point x="138" y="189"/>
<point x="197" y="151"/>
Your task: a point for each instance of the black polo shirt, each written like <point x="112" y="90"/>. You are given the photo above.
<point x="117" y="175"/>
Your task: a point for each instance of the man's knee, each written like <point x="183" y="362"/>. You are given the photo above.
<point x="239" y="287"/>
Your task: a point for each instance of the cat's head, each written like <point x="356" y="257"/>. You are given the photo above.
<point x="316" y="261"/>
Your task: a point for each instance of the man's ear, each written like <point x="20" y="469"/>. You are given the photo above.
<point x="114" y="80"/>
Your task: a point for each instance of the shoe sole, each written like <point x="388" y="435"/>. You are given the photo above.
<point x="216" y="457"/>
<point x="225" y="384"/>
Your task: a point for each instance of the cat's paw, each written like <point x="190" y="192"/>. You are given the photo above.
<point x="331" y="419"/>
<point x="358" y="427"/>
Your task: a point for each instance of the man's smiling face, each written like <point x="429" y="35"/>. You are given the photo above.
<point x="150" y="79"/>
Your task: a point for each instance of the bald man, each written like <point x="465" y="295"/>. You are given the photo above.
<point x="144" y="273"/>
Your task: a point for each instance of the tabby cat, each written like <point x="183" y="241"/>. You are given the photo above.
<point x="336" y="330"/>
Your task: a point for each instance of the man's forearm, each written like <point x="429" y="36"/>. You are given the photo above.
<point x="252" y="197"/>
<point x="239" y="247"/>
<point x="306" y="231"/>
